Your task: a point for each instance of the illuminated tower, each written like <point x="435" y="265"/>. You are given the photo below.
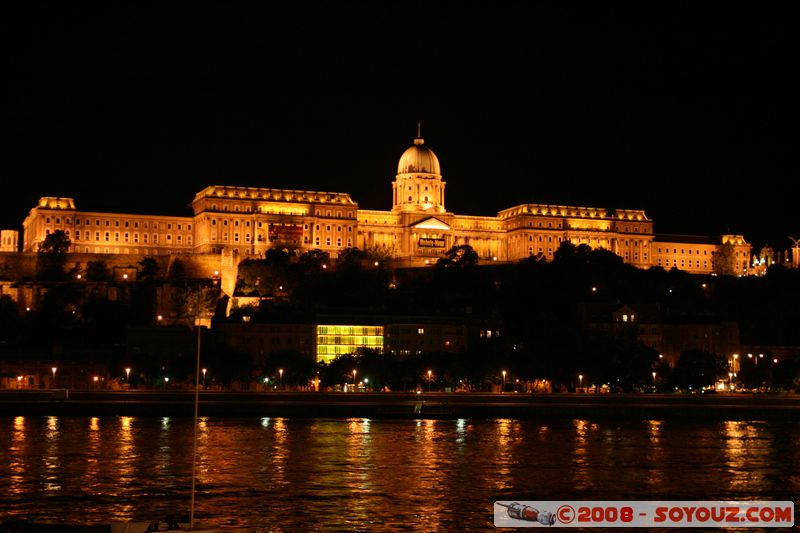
<point x="418" y="186"/>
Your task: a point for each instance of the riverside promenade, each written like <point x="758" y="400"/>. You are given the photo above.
<point x="62" y="402"/>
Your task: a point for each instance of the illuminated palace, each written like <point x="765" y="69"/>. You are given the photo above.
<point x="246" y="221"/>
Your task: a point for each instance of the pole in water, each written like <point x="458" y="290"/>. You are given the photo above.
<point x="194" y="444"/>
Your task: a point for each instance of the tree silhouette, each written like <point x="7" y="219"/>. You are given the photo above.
<point x="98" y="271"/>
<point x="51" y="257"/>
<point x="460" y="256"/>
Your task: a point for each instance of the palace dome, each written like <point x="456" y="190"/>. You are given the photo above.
<point x="419" y="158"/>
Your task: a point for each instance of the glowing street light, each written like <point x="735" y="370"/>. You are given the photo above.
<point x="429" y="379"/>
<point x="654" y="379"/>
<point x="354" y="379"/>
<point x="204" y="376"/>
<point x="280" y="378"/>
<point x="128" y="374"/>
<point x="54" y="376"/>
<point x="730" y="380"/>
<point x="580" y="381"/>
<point x="504" y="381"/>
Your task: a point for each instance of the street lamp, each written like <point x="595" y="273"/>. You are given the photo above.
<point x="654" y="379"/>
<point x="54" y="376"/>
<point x="204" y="377"/>
<point x="580" y="381"/>
<point x="128" y="376"/>
<point x="730" y="380"/>
<point x="429" y="380"/>
<point x="355" y="387"/>
<point x="280" y="378"/>
<point x="504" y="381"/>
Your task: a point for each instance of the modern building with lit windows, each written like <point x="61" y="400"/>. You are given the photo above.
<point x="247" y="221"/>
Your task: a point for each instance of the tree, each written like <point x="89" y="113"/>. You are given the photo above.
<point x="697" y="368"/>
<point x="461" y="255"/>
<point x="51" y="258"/>
<point x="177" y="271"/>
<point x="313" y="261"/>
<point x="149" y="269"/>
<point x="725" y="260"/>
<point x="98" y="271"/>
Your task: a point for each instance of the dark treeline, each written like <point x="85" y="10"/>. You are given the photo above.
<point x="536" y="302"/>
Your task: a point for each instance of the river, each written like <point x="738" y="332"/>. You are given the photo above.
<point x="299" y="474"/>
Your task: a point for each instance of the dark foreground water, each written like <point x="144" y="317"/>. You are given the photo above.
<point x="281" y="474"/>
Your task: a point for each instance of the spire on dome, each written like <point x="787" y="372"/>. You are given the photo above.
<point x="419" y="140"/>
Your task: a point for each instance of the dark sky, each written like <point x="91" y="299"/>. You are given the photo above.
<point x="687" y="112"/>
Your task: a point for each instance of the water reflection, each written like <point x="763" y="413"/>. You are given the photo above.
<point x="52" y="457"/>
<point x="366" y="474"/>
<point x="280" y="452"/>
<point x="654" y="456"/>
<point x="93" y="453"/>
<point x="581" y="471"/>
<point x="359" y="468"/>
<point x="747" y="450"/>
<point x="17" y="457"/>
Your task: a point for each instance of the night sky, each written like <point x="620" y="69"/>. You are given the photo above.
<point x="684" y="112"/>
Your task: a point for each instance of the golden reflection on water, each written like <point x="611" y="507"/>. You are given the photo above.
<point x="507" y="433"/>
<point x="461" y="434"/>
<point x="52" y="456"/>
<point x="204" y="452"/>
<point x="93" y="453"/>
<point x="654" y="456"/>
<point x="125" y="464"/>
<point x="746" y="450"/>
<point x="125" y="459"/>
<point x="163" y="458"/>
<point x="17" y="465"/>
<point x="280" y="452"/>
<point x="357" y="474"/>
<point x="581" y="472"/>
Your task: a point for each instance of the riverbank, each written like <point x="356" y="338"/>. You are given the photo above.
<point x="401" y="405"/>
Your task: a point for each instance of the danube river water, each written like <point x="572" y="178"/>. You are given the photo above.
<point x="282" y="474"/>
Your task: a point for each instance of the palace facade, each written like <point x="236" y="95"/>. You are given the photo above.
<point x="247" y="221"/>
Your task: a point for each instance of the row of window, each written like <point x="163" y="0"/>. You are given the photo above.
<point x="683" y="263"/>
<point x="683" y="251"/>
<point x="127" y="223"/>
<point x="125" y="237"/>
<point x="328" y="227"/>
<point x="107" y="250"/>
<point x="281" y="211"/>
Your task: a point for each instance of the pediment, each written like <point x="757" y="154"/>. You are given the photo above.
<point x="432" y="223"/>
